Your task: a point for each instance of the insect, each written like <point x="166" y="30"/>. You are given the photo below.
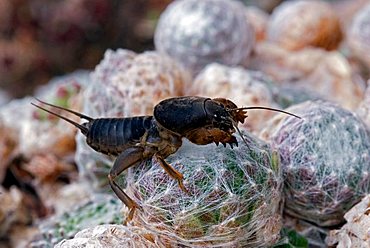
<point x="134" y="139"/>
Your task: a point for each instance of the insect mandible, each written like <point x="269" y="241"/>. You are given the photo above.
<point x="201" y="120"/>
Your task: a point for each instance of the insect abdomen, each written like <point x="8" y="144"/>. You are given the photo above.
<point x="113" y="135"/>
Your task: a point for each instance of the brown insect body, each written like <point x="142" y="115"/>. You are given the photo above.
<point x="134" y="139"/>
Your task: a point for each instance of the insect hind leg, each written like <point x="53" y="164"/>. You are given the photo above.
<point x="126" y="159"/>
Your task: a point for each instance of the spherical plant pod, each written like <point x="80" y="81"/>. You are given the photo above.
<point x="197" y="33"/>
<point x="298" y="24"/>
<point x="233" y="200"/>
<point x="292" y="94"/>
<point x="359" y="35"/>
<point x="244" y="87"/>
<point x="43" y="132"/>
<point x="265" y="5"/>
<point x="325" y="158"/>
<point x="325" y="73"/>
<point x="113" y="236"/>
<point x="363" y="110"/>
<point x="284" y="65"/>
<point x="27" y="130"/>
<point x="126" y="84"/>
<point x="13" y="212"/>
<point x="100" y="209"/>
<point x="332" y="79"/>
<point x="9" y="134"/>
<point x="47" y="168"/>
<point x="258" y="20"/>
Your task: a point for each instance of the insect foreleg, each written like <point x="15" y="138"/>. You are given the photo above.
<point x="126" y="159"/>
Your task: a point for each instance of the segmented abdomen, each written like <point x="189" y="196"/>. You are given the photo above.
<point x="113" y="135"/>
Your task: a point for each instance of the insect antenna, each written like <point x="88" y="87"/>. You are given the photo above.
<point x="266" y="108"/>
<point x="260" y="107"/>
<point x="241" y="135"/>
<point x="79" y="126"/>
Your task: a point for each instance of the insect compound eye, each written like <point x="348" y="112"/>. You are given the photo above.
<point x="222" y="121"/>
<point x="218" y="115"/>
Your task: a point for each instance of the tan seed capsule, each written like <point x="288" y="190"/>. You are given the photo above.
<point x="298" y="24"/>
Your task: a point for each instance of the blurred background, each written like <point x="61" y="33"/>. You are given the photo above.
<point x="44" y="39"/>
<point x="41" y="38"/>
